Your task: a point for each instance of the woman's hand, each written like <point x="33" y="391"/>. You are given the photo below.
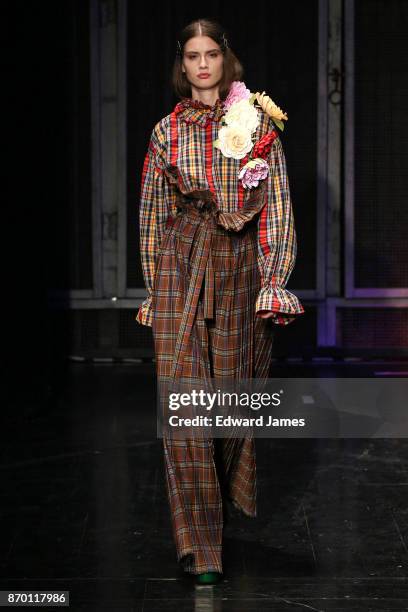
<point x="266" y="314"/>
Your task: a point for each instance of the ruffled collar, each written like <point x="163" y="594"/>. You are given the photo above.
<point x="195" y="111"/>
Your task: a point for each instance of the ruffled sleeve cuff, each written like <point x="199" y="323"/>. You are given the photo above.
<point x="145" y="315"/>
<point x="282" y="302"/>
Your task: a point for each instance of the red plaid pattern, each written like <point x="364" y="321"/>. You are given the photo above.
<point x="181" y="148"/>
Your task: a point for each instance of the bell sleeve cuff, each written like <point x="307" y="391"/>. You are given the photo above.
<point x="283" y="303"/>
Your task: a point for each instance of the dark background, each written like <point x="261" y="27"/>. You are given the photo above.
<point x="48" y="238"/>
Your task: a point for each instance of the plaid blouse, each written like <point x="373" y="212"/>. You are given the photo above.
<point x="183" y="141"/>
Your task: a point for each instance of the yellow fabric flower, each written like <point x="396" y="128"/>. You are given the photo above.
<point x="271" y="108"/>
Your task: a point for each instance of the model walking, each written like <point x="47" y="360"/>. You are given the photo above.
<point x="218" y="244"/>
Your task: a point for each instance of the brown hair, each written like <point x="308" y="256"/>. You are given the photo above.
<point x="232" y="68"/>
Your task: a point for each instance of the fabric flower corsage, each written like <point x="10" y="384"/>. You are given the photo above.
<point x="253" y="171"/>
<point x="235" y="136"/>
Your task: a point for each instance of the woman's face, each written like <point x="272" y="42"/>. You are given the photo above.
<point x="202" y="55"/>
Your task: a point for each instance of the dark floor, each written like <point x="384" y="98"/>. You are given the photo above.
<point x="84" y="509"/>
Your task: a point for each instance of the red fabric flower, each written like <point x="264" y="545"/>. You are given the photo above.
<point x="263" y="146"/>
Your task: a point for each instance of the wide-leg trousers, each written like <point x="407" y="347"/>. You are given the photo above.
<point x="202" y="473"/>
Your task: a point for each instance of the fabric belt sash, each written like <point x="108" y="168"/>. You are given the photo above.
<point x="202" y="269"/>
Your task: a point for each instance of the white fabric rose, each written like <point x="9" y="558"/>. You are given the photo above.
<point x="244" y="114"/>
<point x="234" y="141"/>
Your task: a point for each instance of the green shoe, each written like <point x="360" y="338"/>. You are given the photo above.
<point x="208" y="578"/>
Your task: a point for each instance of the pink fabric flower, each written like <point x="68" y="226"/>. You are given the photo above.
<point x="250" y="175"/>
<point x="238" y="91"/>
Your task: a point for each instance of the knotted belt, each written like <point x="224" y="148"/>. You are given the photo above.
<point x="206" y="220"/>
<point x="201" y="270"/>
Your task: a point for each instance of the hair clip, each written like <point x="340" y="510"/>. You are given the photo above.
<point x="224" y="40"/>
<point x="179" y="50"/>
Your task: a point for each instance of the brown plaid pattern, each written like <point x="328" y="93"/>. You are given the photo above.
<point x="234" y="343"/>
<point x="213" y="255"/>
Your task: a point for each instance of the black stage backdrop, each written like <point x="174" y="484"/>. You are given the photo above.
<point x="277" y="43"/>
<point x="47" y="82"/>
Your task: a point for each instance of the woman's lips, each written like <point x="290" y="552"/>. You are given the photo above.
<point x="203" y="76"/>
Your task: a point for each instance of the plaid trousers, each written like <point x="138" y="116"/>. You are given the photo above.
<point x="204" y="325"/>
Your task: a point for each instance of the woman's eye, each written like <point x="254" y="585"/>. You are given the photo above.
<point x="191" y="57"/>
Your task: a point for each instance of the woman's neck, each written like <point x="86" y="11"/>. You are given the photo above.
<point x="209" y="97"/>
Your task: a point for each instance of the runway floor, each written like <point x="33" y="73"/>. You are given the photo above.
<point x="84" y="509"/>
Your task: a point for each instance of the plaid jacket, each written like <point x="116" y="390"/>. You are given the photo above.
<point x="183" y="140"/>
